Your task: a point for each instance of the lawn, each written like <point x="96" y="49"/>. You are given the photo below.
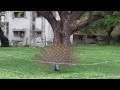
<point x="96" y="62"/>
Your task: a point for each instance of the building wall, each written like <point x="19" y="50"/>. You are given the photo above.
<point x="45" y="27"/>
<point x="18" y="24"/>
<point x="25" y="24"/>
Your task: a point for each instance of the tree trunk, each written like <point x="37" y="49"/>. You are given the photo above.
<point x="61" y="39"/>
<point x="109" y="35"/>
<point x="4" y="40"/>
<point x="57" y="38"/>
<point x="66" y="40"/>
<point x="109" y="38"/>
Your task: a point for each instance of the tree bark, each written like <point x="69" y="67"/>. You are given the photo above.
<point x="61" y="39"/>
<point x="57" y="38"/>
<point x="66" y="40"/>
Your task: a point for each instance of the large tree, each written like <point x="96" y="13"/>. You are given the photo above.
<point x="4" y="40"/>
<point x="69" y="23"/>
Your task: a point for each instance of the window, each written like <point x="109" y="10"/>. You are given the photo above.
<point x="19" y="14"/>
<point x="20" y="34"/>
<point x="38" y="34"/>
<point x="16" y="34"/>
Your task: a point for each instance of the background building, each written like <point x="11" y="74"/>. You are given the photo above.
<point x="27" y="28"/>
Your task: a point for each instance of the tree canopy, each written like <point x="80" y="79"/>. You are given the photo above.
<point x="106" y="23"/>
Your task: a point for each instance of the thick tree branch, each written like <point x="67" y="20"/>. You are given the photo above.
<point x="81" y="24"/>
<point x="76" y="15"/>
<point x="50" y="18"/>
<point x="63" y="14"/>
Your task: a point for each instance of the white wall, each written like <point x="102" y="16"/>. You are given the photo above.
<point x="38" y="23"/>
<point x="19" y="23"/>
<point x="48" y="31"/>
<point x="25" y="23"/>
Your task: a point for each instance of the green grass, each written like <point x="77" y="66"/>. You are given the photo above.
<point x="20" y="63"/>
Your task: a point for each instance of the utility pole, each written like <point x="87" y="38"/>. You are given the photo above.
<point x="43" y="30"/>
<point x="33" y="26"/>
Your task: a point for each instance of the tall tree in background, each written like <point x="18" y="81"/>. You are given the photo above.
<point x="4" y="40"/>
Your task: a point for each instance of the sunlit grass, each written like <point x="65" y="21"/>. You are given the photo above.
<point x="20" y="63"/>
